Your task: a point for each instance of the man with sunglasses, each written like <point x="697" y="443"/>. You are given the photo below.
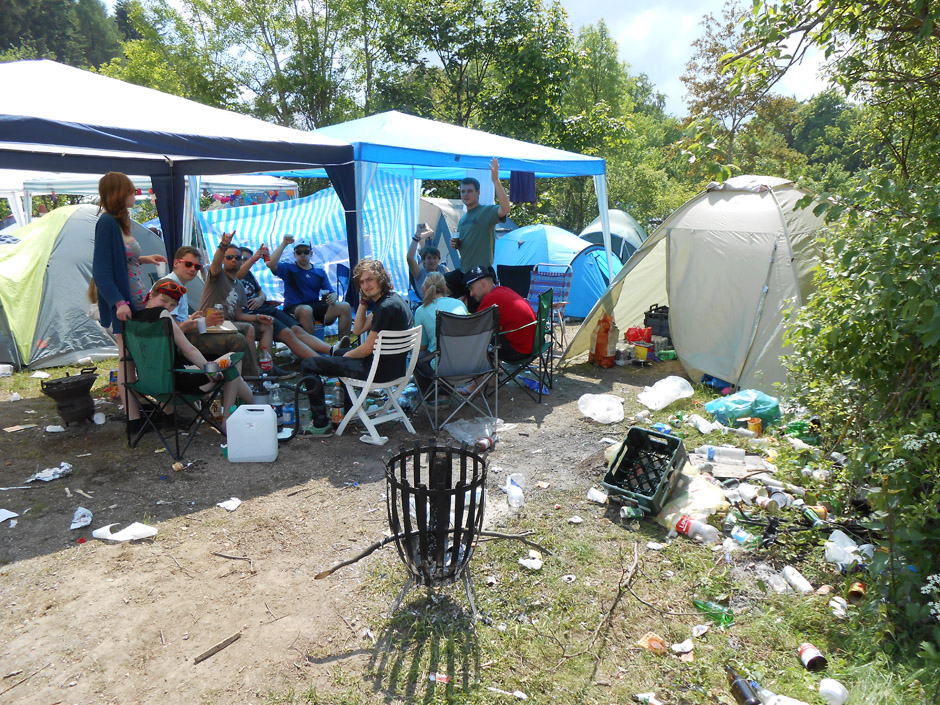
<point x="187" y="263"/>
<point x="302" y="286"/>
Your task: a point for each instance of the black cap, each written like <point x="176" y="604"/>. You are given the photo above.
<point x="476" y="273"/>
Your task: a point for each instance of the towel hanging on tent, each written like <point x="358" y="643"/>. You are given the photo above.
<point x="522" y="186"/>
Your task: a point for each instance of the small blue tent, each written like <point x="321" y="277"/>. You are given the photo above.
<point x="525" y="247"/>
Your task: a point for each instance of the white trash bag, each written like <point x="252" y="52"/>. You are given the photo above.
<point x="665" y="392"/>
<point x="603" y="408"/>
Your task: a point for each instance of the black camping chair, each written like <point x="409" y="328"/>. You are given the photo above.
<point x="538" y="362"/>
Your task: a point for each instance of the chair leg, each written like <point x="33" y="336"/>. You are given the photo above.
<point x="358" y="401"/>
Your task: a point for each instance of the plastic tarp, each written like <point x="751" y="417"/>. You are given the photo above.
<point x="727" y="263"/>
<point x="87" y="123"/>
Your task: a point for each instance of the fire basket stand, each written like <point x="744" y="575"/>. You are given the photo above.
<point x="435" y="499"/>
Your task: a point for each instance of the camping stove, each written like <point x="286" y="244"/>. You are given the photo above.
<point x="435" y="499"/>
<point x="72" y="395"/>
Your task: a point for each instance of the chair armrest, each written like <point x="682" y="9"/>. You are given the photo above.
<point x="527" y="325"/>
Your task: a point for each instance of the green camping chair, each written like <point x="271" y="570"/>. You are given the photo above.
<point x="150" y="347"/>
<point x="539" y="362"/>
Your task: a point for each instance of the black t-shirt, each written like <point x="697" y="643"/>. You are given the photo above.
<point x="391" y="312"/>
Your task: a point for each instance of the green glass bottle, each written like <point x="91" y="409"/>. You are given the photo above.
<point x="719" y="614"/>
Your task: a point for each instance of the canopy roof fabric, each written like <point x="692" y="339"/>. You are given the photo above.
<point x="92" y="124"/>
<point x="427" y="149"/>
<point x="728" y="263"/>
<point x="87" y="185"/>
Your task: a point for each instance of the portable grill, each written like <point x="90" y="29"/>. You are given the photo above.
<point x="72" y="395"/>
<point x="435" y="499"/>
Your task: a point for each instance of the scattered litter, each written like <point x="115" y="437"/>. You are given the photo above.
<point x="439" y="678"/>
<point x="83" y="455"/>
<point x="13" y="523"/>
<point x="533" y="561"/>
<point x="81" y="518"/>
<point x="647" y="698"/>
<point x="20" y="427"/>
<point x="55" y="429"/>
<point x="50" y="474"/>
<point x="160" y="450"/>
<point x="575" y="519"/>
<point x="654" y="546"/>
<point x="517" y="694"/>
<point x="595" y="495"/>
<point x="68" y="492"/>
<point x="230" y="504"/>
<point x="653" y="642"/>
<point x="491" y="581"/>
<point x="833" y="692"/>
<point x="536" y="451"/>
<point x="130" y="533"/>
<point x="609" y="441"/>
<point x="40" y="375"/>
<point x="83" y="494"/>
<point x="683" y="647"/>
<point x="543" y="485"/>
<point x="20" y="487"/>
<point x="556" y="506"/>
<point x="99" y="419"/>
<point x="603" y="408"/>
<point x="699" y="629"/>
<point x="665" y="392"/>
<point x="7" y="514"/>
<point x="839" y="607"/>
<point x="568" y="578"/>
<point x="15" y="396"/>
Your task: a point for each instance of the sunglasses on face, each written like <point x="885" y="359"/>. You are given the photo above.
<point x="190" y="265"/>
<point x="238" y="257"/>
<point x="301" y="252"/>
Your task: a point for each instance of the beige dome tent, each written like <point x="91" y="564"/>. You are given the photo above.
<point x="727" y="263"/>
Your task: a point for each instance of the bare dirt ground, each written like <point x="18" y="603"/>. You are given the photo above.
<point x="96" y="622"/>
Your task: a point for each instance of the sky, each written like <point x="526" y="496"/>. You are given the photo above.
<point x="655" y="37"/>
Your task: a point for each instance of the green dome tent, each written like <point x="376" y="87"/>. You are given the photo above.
<point x="626" y="234"/>
<point x="727" y="263"/>
<point x="45" y="268"/>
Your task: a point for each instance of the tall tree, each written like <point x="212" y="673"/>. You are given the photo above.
<point x="96" y="32"/>
<point x="598" y="74"/>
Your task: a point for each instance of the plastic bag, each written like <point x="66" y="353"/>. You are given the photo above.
<point x="472" y="430"/>
<point x="639" y="335"/>
<point x="665" y="392"/>
<point x="603" y="408"/>
<point x="748" y="402"/>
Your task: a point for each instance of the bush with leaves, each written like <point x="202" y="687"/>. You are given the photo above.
<point x="866" y="359"/>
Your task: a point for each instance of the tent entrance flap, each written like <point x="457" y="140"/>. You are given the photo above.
<point x="714" y="326"/>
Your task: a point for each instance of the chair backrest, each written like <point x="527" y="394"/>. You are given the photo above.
<point x="515" y="277"/>
<point x="396" y="342"/>
<point x="342" y="281"/>
<point x="151" y="347"/>
<point x="463" y="342"/>
<point x="543" y="331"/>
<point x="550" y="276"/>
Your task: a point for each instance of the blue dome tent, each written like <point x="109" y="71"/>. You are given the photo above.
<point x="523" y="248"/>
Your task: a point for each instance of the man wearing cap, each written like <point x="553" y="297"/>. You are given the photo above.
<point x="515" y="313"/>
<point x="476" y="231"/>
<point x="302" y="286"/>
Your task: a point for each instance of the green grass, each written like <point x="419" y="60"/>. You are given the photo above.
<point x="28" y="386"/>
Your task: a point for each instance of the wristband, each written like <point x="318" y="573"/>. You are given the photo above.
<point x="363" y="301"/>
<point x="415" y="238"/>
<point x="122" y="303"/>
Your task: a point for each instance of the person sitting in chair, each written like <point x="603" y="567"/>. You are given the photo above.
<point x="514" y="314"/>
<point x="302" y="286"/>
<point x="389" y="312"/>
<point x="435" y="299"/>
<point x="160" y="303"/>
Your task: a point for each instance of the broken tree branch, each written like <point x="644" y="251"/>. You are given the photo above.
<point x="217" y="648"/>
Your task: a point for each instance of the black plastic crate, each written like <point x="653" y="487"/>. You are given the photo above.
<point x="646" y="468"/>
<point x="657" y="318"/>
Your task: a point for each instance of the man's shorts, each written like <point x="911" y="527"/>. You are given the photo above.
<point x="319" y="309"/>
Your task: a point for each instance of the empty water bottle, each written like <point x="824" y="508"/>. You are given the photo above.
<point x="722" y="454"/>
<point x="514" y="496"/>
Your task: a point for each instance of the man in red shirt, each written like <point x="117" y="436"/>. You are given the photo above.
<point x="514" y="313"/>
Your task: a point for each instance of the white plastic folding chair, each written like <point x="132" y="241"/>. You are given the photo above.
<point x="389" y="342"/>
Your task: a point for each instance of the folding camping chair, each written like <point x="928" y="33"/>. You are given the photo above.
<point x="539" y="361"/>
<point x="558" y="278"/>
<point x="463" y="354"/>
<point x="150" y="347"/>
<point x="389" y="342"/>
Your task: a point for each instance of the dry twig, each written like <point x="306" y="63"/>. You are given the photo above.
<point x="217" y="648"/>
<point x="25" y="679"/>
<point x="251" y="563"/>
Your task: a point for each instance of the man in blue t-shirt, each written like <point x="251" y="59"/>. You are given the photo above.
<point x="303" y="284"/>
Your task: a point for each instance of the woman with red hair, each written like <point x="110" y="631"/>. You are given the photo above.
<point x="116" y="269"/>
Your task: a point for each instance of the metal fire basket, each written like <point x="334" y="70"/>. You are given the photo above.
<point x="435" y="499"/>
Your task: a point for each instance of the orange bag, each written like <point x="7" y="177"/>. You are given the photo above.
<point x="601" y="348"/>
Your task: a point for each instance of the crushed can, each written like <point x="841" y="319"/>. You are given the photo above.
<point x="114" y="391"/>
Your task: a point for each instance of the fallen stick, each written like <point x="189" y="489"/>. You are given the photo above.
<point x="517" y="537"/>
<point x="217" y="648"/>
<point x="25" y="679"/>
<point x="251" y="563"/>
<point x="358" y="557"/>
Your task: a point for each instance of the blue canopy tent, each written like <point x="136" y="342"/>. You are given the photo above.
<point x="92" y="124"/>
<point x="520" y="250"/>
<point x="415" y="149"/>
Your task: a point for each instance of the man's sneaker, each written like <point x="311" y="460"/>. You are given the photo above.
<point x="279" y="373"/>
<point x="339" y="345"/>
<point x="318" y="431"/>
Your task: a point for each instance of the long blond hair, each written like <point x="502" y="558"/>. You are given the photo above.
<point x="113" y="189"/>
<point x="435" y="286"/>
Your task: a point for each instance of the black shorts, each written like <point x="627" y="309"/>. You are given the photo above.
<point x="319" y="309"/>
<point x="282" y="320"/>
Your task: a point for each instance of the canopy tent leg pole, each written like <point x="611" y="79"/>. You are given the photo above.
<point x="600" y="188"/>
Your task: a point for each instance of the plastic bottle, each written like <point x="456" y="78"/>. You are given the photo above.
<point x="768" y="697"/>
<point x="697" y="530"/>
<point x="337" y="408"/>
<point x="796" y="580"/>
<point x="722" y="454"/>
<point x="277" y="403"/>
<point x="744" y="537"/>
<point x="265" y="362"/>
<point x="514" y="496"/>
<point x="719" y="614"/>
<point x="741" y="689"/>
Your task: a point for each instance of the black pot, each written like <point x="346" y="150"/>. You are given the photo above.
<point x="72" y="395"/>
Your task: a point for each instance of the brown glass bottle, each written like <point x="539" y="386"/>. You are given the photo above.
<point x="741" y="689"/>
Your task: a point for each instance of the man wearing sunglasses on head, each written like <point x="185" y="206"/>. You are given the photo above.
<point x="187" y="263"/>
<point x="302" y="286"/>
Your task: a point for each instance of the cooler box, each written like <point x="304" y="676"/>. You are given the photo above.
<point x="251" y="433"/>
<point x="657" y="318"/>
<point x="646" y="468"/>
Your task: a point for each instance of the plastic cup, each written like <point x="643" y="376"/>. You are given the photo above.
<point x="201" y="324"/>
<point x="833" y="692"/>
<point x="161" y="270"/>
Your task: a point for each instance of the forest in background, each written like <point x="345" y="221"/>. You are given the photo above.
<point x="513" y="68"/>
